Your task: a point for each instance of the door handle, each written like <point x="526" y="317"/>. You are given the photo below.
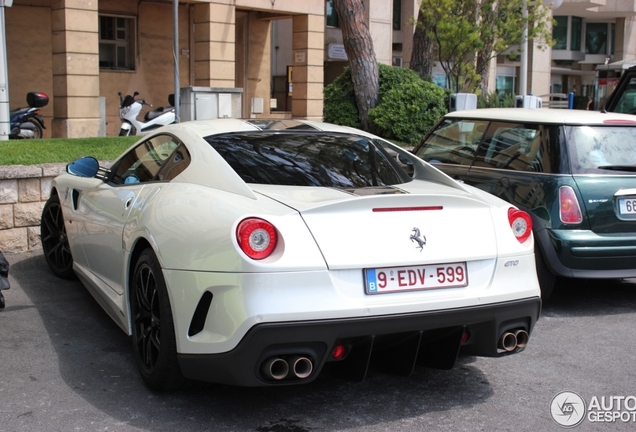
<point x="128" y="202"/>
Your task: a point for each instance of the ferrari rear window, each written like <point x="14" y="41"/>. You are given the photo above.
<point x="307" y="159"/>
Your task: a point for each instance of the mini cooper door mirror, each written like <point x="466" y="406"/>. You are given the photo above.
<point x="83" y="167"/>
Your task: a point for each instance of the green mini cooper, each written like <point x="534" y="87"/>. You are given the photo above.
<point x="573" y="171"/>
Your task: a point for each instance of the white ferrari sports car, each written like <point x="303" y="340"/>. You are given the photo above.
<point x="259" y="253"/>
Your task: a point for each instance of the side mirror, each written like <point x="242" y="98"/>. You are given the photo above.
<point x="83" y="167"/>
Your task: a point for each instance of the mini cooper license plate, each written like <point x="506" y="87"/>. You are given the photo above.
<point x="627" y="206"/>
<point x="434" y="276"/>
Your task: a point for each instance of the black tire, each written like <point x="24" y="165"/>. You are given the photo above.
<point x="54" y="240"/>
<point x="124" y="132"/>
<point x="153" y="336"/>
<point x="547" y="279"/>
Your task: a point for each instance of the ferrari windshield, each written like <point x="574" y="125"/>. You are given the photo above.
<point x="308" y="159"/>
<point x="600" y="149"/>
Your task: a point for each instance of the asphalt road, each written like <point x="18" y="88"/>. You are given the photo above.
<point x="65" y="366"/>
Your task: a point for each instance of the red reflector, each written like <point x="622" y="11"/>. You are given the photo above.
<point x="339" y="352"/>
<point x="401" y="209"/>
<point x="465" y="337"/>
<point x="619" y="121"/>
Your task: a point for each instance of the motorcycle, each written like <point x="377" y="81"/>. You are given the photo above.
<point x="129" y="109"/>
<point x="27" y="122"/>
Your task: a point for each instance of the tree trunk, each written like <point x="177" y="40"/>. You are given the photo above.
<point x="483" y="67"/>
<point x="359" y="48"/>
<point x="423" y="53"/>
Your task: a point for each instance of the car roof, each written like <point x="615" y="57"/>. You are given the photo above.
<point x="205" y="128"/>
<point x="545" y="115"/>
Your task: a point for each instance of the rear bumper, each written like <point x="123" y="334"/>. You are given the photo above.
<point x="398" y="342"/>
<point x="584" y="254"/>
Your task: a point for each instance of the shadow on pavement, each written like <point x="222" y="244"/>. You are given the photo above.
<point x="95" y="362"/>
<point x="591" y="297"/>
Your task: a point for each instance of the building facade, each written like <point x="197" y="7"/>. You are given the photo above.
<point x="278" y="54"/>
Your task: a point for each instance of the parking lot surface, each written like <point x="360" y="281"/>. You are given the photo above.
<point x="65" y="366"/>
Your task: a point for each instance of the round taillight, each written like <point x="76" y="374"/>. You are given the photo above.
<point x="521" y="224"/>
<point x="256" y="237"/>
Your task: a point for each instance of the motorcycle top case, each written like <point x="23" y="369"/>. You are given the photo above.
<point x="37" y="99"/>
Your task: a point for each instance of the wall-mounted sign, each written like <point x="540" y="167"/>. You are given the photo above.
<point x="336" y="52"/>
<point x="300" y="56"/>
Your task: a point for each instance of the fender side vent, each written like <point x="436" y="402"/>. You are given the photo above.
<point x="200" y="314"/>
<point x="76" y="195"/>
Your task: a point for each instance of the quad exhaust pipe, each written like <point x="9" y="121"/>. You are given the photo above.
<point x="275" y="368"/>
<point x="278" y="368"/>
<point x="513" y="340"/>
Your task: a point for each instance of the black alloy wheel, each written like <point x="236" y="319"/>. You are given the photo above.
<point x="57" y="251"/>
<point x="154" y="341"/>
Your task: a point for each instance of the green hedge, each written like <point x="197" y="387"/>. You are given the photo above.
<point x="407" y="108"/>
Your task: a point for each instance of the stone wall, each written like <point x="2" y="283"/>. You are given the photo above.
<point x="23" y="193"/>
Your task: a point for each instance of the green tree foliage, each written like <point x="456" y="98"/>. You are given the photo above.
<point x="408" y="106"/>
<point x="469" y="33"/>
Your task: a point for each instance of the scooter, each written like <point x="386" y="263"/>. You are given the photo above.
<point x="129" y="109"/>
<point x="27" y="122"/>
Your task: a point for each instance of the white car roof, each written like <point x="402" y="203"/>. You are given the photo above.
<point x="544" y="115"/>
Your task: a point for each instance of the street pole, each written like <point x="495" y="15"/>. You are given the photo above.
<point x="175" y="26"/>
<point x="523" y="79"/>
<point x="5" y="125"/>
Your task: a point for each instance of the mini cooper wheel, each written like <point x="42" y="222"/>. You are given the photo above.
<point x="54" y="240"/>
<point x="154" y="341"/>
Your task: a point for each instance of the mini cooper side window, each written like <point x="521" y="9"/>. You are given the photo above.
<point x="454" y="141"/>
<point x="142" y="163"/>
<point x="514" y="146"/>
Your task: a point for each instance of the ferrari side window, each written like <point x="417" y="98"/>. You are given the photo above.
<point x="175" y="164"/>
<point x="142" y="163"/>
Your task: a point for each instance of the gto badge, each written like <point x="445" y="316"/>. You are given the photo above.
<point x="419" y="238"/>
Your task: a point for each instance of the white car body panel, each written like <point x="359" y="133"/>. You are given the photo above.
<point x="255" y="298"/>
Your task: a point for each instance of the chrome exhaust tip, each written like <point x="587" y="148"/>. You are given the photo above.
<point x="301" y="367"/>
<point x="508" y="342"/>
<point x="275" y="368"/>
<point x="522" y="338"/>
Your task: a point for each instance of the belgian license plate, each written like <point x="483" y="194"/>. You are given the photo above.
<point x="627" y="206"/>
<point x="434" y="276"/>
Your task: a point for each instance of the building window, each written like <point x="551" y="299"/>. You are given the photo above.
<point x="397" y="14"/>
<point x="560" y="33"/>
<point x="575" y="34"/>
<point x="115" y="43"/>
<point x="596" y="38"/>
<point x="397" y="61"/>
<point x="505" y="85"/>
<point x="331" y="14"/>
